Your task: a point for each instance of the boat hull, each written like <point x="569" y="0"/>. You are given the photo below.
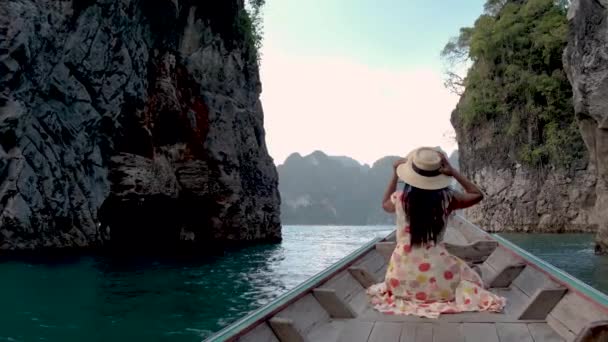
<point x="544" y="303"/>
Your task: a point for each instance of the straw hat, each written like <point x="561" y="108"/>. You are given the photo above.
<point x="422" y="170"/>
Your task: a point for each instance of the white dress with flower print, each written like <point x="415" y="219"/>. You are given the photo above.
<point x="428" y="281"/>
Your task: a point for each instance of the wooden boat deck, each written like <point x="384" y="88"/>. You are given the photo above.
<point x="447" y="332"/>
<point x="540" y="307"/>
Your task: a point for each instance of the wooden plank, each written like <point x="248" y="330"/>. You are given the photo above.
<point x="501" y="268"/>
<point x="363" y="276"/>
<point x="513" y="332"/>
<point x="488" y="273"/>
<point x="503" y="278"/>
<point x="408" y="332"/>
<point x="542" y="303"/>
<point x="543" y="332"/>
<point x="478" y="251"/>
<point x="576" y="313"/>
<point x="506" y="276"/>
<point x="468" y="230"/>
<point x="386" y="249"/>
<point x="477" y="269"/>
<point x="306" y="313"/>
<point x="333" y="304"/>
<point x="372" y="261"/>
<point x="502" y="258"/>
<point x="285" y="330"/>
<point x="596" y="331"/>
<point x="356" y="331"/>
<point x="448" y="332"/>
<point x="466" y="317"/>
<point x="560" y="328"/>
<point x="381" y="272"/>
<point x="345" y="285"/>
<point x="530" y="280"/>
<point x="359" y="302"/>
<point x="327" y="332"/>
<point x="385" y="332"/>
<point x="480" y="332"/>
<point x="261" y="333"/>
<point x="516" y="300"/>
<point x="453" y="236"/>
<point x="417" y="332"/>
<point x="424" y="332"/>
<point x="571" y="317"/>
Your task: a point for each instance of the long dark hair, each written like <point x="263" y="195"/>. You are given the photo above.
<point x="426" y="211"/>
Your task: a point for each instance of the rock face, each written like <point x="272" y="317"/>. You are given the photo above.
<point x="322" y="189"/>
<point x="586" y="61"/>
<point x="131" y="122"/>
<point x="519" y="197"/>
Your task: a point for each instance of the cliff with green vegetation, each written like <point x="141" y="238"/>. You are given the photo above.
<point x="133" y="124"/>
<point x="516" y="132"/>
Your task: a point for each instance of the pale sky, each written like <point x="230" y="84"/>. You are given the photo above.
<point x="360" y="78"/>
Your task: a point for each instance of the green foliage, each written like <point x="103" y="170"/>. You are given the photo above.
<point x="257" y="4"/>
<point x="457" y="49"/>
<point x="492" y="7"/>
<point x="249" y="24"/>
<point x="517" y="80"/>
<point x="239" y="27"/>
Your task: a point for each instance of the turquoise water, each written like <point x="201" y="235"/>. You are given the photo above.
<point x="572" y="253"/>
<point x="101" y="299"/>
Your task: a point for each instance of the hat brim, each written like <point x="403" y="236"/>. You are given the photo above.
<point x="406" y="173"/>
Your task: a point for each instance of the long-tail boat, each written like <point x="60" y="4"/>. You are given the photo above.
<point x="544" y="303"/>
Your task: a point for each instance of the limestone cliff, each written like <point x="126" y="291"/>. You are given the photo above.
<point x="521" y="197"/>
<point x="132" y="122"/>
<point x="322" y="189"/>
<point x="516" y="134"/>
<point x="586" y="61"/>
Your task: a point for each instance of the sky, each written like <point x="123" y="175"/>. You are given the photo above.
<point x="359" y="78"/>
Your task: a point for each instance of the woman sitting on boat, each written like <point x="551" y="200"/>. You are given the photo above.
<point x="422" y="278"/>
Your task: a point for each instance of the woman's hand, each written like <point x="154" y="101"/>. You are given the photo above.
<point x="398" y="162"/>
<point x="387" y="204"/>
<point x="446" y="168"/>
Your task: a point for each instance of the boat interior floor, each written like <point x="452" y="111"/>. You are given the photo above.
<point x="538" y="308"/>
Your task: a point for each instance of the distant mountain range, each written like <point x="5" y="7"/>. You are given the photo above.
<point x="318" y="189"/>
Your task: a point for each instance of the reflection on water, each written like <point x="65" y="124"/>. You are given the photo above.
<point x="103" y="299"/>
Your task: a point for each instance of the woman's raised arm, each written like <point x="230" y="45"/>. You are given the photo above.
<point x="387" y="204"/>
<point x="472" y="194"/>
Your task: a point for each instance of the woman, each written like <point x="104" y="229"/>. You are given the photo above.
<point x="422" y="278"/>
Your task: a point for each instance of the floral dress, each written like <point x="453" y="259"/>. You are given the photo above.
<point x="428" y="281"/>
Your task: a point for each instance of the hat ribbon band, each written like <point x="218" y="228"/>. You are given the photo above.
<point x="425" y="173"/>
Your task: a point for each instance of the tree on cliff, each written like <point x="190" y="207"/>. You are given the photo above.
<point x="516" y="80"/>
<point x="252" y="26"/>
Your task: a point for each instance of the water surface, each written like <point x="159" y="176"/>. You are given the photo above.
<point x="573" y="253"/>
<point x="102" y="299"/>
